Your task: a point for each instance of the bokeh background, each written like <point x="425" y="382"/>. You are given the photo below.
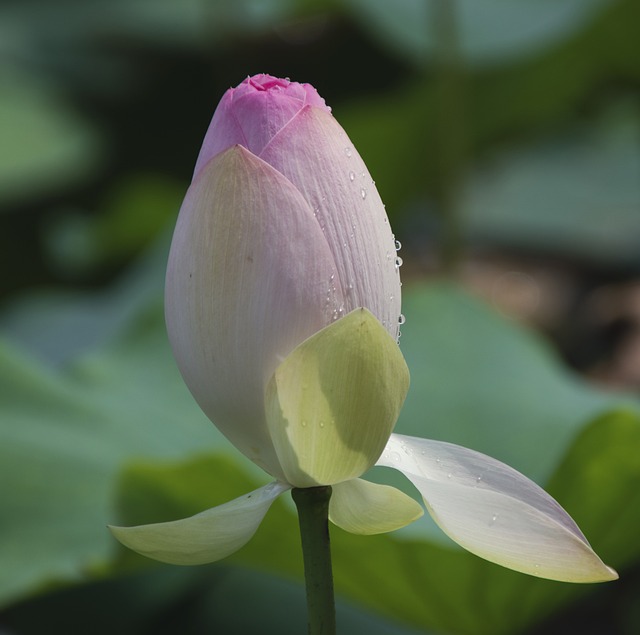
<point x="504" y="137"/>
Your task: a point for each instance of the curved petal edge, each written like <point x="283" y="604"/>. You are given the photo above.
<point x="495" y="512"/>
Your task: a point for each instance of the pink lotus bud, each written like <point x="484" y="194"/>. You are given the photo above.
<point x="282" y="232"/>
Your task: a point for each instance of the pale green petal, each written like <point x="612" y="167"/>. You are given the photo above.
<point x="332" y="403"/>
<point x="495" y="512"/>
<point x="361" y="507"/>
<point x="206" y="537"/>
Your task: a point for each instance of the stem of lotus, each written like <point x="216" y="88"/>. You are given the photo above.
<point x="313" y="514"/>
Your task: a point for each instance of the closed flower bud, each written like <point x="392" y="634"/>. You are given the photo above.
<point x="281" y="233"/>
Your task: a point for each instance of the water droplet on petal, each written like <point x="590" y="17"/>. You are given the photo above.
<point x="398" y="262"/>
<point x="348" y="151"/>
<point x="352" y="176"/>
<point x="449" y="475"/>
<point x="363" y="193"/>
<point x="493" y="519"/>
<point x="322" y="424"/>
<point x="401" y="319"/>
<point x="398" y="245"/>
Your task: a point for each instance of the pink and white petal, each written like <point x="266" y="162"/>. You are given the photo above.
<point x="206" y="537"/>
<point x="249" y="277"/>
<point x="316" y="155"/>
<point x="494" y="511"/>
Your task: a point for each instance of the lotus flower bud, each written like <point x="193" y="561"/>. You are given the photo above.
<point x="281" y="233"/>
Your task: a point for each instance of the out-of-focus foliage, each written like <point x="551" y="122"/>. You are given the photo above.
<point x="513" y="125"/>
<point x="46" y="145"/>
<point x="76" y="431"/>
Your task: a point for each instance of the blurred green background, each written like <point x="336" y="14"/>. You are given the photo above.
<point x="504" y="137"/>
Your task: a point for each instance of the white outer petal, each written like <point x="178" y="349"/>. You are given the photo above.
<point x="494" y="511"/>
<point x="206" y="537"/>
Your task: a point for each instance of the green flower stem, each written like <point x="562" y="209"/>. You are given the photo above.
<point x="313" y="515"/>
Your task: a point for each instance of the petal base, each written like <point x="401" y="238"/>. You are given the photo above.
<point x="365" y="508"/>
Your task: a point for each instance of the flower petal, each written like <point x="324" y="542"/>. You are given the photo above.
<point x="495" y="512"/>
<point x="361" y="507"/>
<point x="249" y="277"/>
<point x="317" y="156"/>
<point x="206" y="537"/>
<point x="332" y="403"/>
<point x="254" y="112"/>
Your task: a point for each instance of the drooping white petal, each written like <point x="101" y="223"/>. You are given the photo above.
<point x="206" y="537"/>
<point x="332" y="403"/>
<point x="365" y="508"/>
<point x="249" y="277"/>
<point x="316" y="155"/>
<point x="494" y="511"/>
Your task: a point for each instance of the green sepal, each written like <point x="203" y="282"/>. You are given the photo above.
<point x="333" y="402"/>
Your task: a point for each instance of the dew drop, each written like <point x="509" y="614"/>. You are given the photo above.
<point x="494" y="518"/>
<point x="363" y="193"/>
<point x="449" y="475"/>
<point x="398" y="262"/>
<point x="395" y="457"/>
<point x="478" y="479"/>
<point x="398" y="245"/>
<point x="303" y="423"/>
<point x="401" y="318"/>
<point x="348" y="151"/>
<point x="352" y="176"/>
<point x="322" y="424"/>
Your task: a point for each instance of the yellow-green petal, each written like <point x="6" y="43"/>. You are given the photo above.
<point x="206" y="537"/>
<point x="361" y="507"/>
<point x="332" y="403"/>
